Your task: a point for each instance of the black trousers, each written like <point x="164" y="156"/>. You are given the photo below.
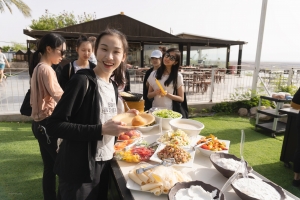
<point x="297" y="153"/>
<point x="48" y="148"/>
<point x="96" y="190"/>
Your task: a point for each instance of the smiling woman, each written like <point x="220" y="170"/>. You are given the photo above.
<point x="83" y="119"/>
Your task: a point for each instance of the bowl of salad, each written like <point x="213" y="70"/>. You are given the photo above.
<point x="164" y="116"/>
<point x="177" y="137"/>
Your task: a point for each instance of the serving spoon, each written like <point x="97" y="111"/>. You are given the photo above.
<point x="166" y="162"/>
<point x="242" y="167"/>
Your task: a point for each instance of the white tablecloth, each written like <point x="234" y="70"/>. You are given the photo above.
<point x="202" y="170"/>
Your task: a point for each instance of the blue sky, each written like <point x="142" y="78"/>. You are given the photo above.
<point x="227" y="19"/>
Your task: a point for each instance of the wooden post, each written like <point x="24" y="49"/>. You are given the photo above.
<point x="239" y="59"/>
<point x="28" y="52"/>
<point x="227" y="59"/>
<point x="181" y="53"/>
<point x="142" y="54"/>
<point x="188" y="54"/>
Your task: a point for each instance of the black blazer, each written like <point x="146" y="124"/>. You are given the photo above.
<point x="66" y="73"/>
<point x="75" y="119"/>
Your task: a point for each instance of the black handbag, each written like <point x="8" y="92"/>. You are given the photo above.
<point x="25" y="107"/>
<point x="180" y="107"/>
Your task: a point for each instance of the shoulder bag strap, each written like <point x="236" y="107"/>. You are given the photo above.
<point x="70" y="69"/>
<point x="37" y="89"/>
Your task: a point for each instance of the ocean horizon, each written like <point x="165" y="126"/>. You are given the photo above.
<point x="271" y="64"/>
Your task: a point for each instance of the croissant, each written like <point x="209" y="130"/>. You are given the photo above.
<point x="138" y="121"/>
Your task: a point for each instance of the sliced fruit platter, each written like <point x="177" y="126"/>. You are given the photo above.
<point x="212" y="143"/>
<point x="133" y="134"/>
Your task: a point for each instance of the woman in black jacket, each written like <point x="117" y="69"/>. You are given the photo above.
<point x="82" y="119"/>
<point x="84" y="50"/>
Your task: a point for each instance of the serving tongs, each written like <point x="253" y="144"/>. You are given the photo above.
<point x="152" y="145"/>
<point x="242" y="167"/>
<point x="166" y="162"/>
<point x="199" y="145"/>
<point x="133" y="143"/>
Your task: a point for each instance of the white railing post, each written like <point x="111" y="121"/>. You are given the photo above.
<point x="290" y="77"/>
<point x="212" y="84"/>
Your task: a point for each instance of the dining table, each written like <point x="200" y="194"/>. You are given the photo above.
<point x="202" y="169"/>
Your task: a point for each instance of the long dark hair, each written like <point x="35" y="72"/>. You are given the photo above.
<point x="52" y="40"/>
<point x="118" y="73"/>
<point x="174" y="70"/>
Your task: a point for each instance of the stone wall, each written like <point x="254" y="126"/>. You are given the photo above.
<point x="16" y="66"/>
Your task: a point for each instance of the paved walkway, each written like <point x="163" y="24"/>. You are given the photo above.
<point x="12" y="92"/>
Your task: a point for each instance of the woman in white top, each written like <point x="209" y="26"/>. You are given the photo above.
<point x="169" y="79"/>
<point x="3" y="60"/>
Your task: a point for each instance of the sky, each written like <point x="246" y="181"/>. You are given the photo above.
<point x="225" y="19"/>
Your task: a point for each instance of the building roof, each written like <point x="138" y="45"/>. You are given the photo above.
<point x="195" y="36"/>
<point x="134" y="30"/>
<point x="21" y="52"/>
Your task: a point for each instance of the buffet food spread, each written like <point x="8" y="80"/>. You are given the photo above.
<point x="151" y="148"/>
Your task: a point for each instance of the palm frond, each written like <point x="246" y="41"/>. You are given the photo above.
<point x="25" y="10"/>
<point x="7" y="4"/>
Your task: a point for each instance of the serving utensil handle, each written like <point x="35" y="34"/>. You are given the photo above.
<point x="141" y="170"/>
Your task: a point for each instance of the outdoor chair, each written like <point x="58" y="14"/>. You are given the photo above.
<point x="221" y="74"/>
<point x="188" y="78"/>
<point x="139" y="75"/>
<point x="205" y="82"/>
<point x="197" y="83"/>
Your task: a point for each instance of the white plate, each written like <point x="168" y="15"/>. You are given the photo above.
<point x="141" y="135"/>
<point x="193" y="140"/>
<point x="146" y="128"/>
<point x="127" y="118"/>
<point x="155" y="158"/>
<point x="131" y="185"/>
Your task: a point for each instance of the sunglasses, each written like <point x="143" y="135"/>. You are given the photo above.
<point x="62" y="52"/>
<point x="172" y="58"/>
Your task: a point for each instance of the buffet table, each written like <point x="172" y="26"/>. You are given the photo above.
<point x="202" y="170"/>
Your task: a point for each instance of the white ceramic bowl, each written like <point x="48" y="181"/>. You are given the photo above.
<point x="165" y="121"/>
<point x="189" y="126"/>
<point x="146" y="128"/>
<point x="156" y="108"/>
<point x="207" y="153"/>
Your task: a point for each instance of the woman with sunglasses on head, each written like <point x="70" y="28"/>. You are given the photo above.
<point x="44" y="94"/>
<point x="170" y="79"/>
<point x="84" y="49"/>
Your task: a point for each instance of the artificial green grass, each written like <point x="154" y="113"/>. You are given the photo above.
<point x="261" y="151"/>
<point x="21" y="164"/>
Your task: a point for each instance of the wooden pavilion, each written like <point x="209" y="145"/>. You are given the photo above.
<point x="139" y="35"/>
